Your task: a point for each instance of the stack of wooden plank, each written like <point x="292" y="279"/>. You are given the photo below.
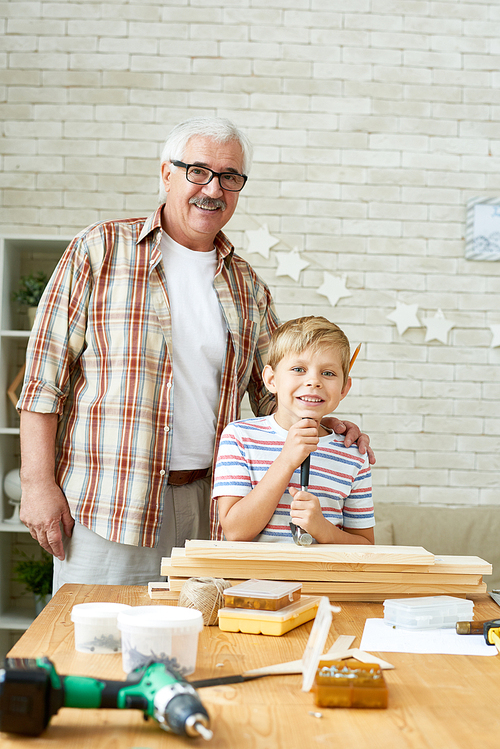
<point x="343" y="573"/>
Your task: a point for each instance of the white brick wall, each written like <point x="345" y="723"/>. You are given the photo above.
<point x="373" y="123"/>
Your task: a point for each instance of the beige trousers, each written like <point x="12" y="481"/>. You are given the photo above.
<point x="91" y="559"/>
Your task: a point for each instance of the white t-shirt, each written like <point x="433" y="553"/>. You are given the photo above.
<point x="199" y="336"/>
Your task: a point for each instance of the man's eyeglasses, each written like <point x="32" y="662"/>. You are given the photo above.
<point x="202" y="175"/>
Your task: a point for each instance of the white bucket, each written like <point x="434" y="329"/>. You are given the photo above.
<point x="96" y="630"/>
<point x="168" y="634"/>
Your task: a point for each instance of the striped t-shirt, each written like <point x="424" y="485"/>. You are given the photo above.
<point x="339" y="476"/>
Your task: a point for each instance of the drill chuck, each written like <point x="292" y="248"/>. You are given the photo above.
<point x="178" y="708"/>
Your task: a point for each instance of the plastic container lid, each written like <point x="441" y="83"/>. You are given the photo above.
<point x="282" y="615"/>
<point x="97" y="612"/>
<point x="178" y="618"/>
<point x="427" y="612"/>
<point x="262" y="589"/>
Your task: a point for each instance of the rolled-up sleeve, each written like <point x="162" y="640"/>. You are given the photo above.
<point x="58" y="336"/>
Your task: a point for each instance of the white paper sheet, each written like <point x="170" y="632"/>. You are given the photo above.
<point x="382" y="637"/>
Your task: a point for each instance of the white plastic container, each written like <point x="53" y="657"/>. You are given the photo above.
<point x="168" y="634"/>
<point x="430" y="612"/>
<point x="96" y="630"/>
<point x="263" y="595"/>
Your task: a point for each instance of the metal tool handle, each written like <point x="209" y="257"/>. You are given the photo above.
<point x="300" y="536"/>
<point x="304" y="473"/>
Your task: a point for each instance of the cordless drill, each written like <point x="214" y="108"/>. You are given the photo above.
<point x="31" y="692"/>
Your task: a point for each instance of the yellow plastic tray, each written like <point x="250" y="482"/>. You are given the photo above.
<point x="269" y="622"/>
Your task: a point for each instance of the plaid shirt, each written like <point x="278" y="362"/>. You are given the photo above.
<point x="100" y="357"/>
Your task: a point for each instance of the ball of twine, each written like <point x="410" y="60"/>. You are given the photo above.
<point x="204" y="594"/>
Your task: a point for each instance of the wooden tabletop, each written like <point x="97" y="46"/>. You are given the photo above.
<point x="435" y="701"/>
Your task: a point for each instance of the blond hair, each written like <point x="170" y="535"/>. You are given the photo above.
<point x="317" y="333"/>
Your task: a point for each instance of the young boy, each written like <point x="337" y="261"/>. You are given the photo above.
<point x="257" y="473"/>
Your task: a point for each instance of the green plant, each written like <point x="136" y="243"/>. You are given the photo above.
<point x="35" y="574"/>
<point x="30" y="289"/>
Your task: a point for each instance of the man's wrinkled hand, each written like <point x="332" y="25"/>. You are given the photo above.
<point x="353" y="435"/>
<point x="43" y="513"/>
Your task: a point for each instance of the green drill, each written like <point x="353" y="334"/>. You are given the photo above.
<point x="31" y="692"/>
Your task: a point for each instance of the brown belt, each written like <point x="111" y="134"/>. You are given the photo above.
<point x="179" y="478"/>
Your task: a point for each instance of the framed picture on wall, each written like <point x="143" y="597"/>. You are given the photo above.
<point x="482" y="236"/>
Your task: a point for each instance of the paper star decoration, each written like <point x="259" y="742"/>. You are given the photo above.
<point x="495" y="329"/>
<point x="438" y="327"/>
<point x="334" y="288"/>
<point x="290" y="264"/>
<point x="259" y="240"/>
<point x="405" y="316"/>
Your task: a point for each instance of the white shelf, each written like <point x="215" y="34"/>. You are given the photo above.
<point x="15" y="620"/>
<point x="15" y="333"/>
<point x="13" y="528"/>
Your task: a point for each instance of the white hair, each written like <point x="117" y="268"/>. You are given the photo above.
<point x="218" y="129"/>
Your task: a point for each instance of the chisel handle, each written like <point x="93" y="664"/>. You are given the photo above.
<point x="304" y="473"/>
<point x="470" y="628"/>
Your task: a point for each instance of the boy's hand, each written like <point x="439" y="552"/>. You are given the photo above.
<point x="302" y="439"/>
<point x="305" y="511"/>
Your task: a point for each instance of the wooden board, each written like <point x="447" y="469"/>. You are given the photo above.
<point x="449" y="563"/>
<point x="344" y="597"/>
<point x="262" y="571"/>
<point x="380" y="598"/>
<point x="343" y="573"/>
<point x="329" y="553"/>
<point x="161" y="592"/>
<point x="361" y="589"/>
<point x="257" y="568"/>
<point x="336" y="598"/>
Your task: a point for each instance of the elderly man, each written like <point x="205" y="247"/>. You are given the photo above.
<point x="148" y="336"/>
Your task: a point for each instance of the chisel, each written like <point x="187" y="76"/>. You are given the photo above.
<point x="300" y="536"/>
<point x="470" y="628"/>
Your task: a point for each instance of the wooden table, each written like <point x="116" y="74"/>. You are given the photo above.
<point x="435" y="701"/>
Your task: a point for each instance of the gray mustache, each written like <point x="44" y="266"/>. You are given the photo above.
<point x="208" y="203"/>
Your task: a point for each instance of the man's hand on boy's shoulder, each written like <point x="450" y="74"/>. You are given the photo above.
<point x="353" y="434"/>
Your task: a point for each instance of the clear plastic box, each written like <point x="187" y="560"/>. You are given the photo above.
<point x="96" y="629"/>
<point x="168" y="634"/>
<point x="266" y="595"/>
<point x="269" y="622"/>
<point x="431" y="612"/>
